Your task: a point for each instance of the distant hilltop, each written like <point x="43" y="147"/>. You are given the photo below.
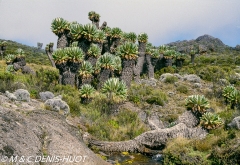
<point x="205" y="43"/>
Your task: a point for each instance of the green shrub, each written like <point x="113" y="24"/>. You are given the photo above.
<point x="6" y="82"/>
<point x="168" y="69"/>
<point x="157" y="98"/>
<point x="182" y="89"/>
<point x="171" y="79"/>
<point x="212" y="73"/>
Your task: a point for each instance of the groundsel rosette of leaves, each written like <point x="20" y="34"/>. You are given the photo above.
<point x="87" y="91"/>
<point x="76" y="31"/>
<point x="99" y="36"/>
<point x="59" y="25"/>
<point x="128" y="51"/>
<point x="143" y="37"/>
<point x="60" y="56"/>
<point x="10" y="57"/>
<point x="106" y="61"/>
<point x="89" y="32"/>
<point x="74" y="54"/>
<point x="107" y="31"/>
<point x="162" y="49"/>
<point x="210" y="121"/>
<point x="118" y="63"/>
<point x="115" y="90"/>
<point x="116" y="32"/>
<point x="86" y="70"/>
<point x="94" y="51"/>
<point x="10" y="69"/>
<point x="197" y="103"/>
<point x="74" y="44"/>
<point x="131" y="37"/>
<point x="93" y="16"/>
<point x="169" y="53"/>
<point x="20" y="53"/>
<point x="231" y="94"/>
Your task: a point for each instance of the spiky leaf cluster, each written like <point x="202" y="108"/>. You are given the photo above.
<point x="107" y="31"/>
<point x="143" y="37"/>
<point x="128" y="51"/>
<point x="148" y="48"/>
<point x="74" y="54"/>
<point x="87" y="91"/>
<point x="116" y="32"/>
<point x="3" y="43"/>
<point x="60" y="56"/>
<point x="20" y="53"/>
<point x="94" y="51"/>
<point x="227" y="91"/>
<point x="74" y="44"/>
<point x="99" y="37"/>
<point x="118" y="63"/>
<point x="131" y="37"/>
<point x="10" y="69"/>
<point x="193" y="52"/>
<point x="86" y="70"/>
<point x="106" y="61"/>
<point x="234" y="97"/>
<point x="93" y="16"/>
<point x="10" y="57"/>
<point x="169" y="53"/>
<point x="210" y="121"/>
<point x="76" y="31"/>
<point x="154" y="53"/>
<point x="197" y="103"/>
<point x="89" y="32"/>
<point x="59" y="25"/>
<point x="162" y="49"/>
<point x="179" y="55"/>
<point x="115" y="90"/>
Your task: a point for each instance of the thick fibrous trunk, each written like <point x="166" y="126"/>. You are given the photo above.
<point x="192" y="58"/>
<point x="96" y="23"/>
<point x="74" y="66"/>
<point x="179" y="62"/>
<point x="150" y="67"/>
<point x="68" y="78"/>
<point x="104" y="76"/>
<point x="63" y="40"/>
<point x="20" y="61"/>
<point x="150" y="139"/>
<point x="139" y="67"/>
<point x="83" y="81"/>
<point x="106" y="46"/>
<point x="140" y="61"/>
<point x="51" y="58"/>
<point x="167" y="62"/>
<point x="84" y="45"/>
<point x="92" y="60"/>
<point x="127" y="71"/>
<point x="104" y="25"/>
<point x="114" y="45"/>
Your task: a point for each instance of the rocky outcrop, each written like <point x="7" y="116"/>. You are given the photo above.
<point x="235" y="123"/>
<point x="203" y="44"/>
<point x="20" y="95"/>
<point x="40" y="133"/>
<point x="189" y="119"/>
<point x="149" y="140"/>
<point x="58" y="105"/>
<point x="46" y="95"/>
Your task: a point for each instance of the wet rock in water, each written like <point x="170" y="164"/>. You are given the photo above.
<point x="158" y="157"/>
<point x="46" y="95"/>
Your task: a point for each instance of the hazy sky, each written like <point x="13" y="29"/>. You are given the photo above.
<point x="29" y="21"/>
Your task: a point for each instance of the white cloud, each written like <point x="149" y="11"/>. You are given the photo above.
<point x="162" y="20"/>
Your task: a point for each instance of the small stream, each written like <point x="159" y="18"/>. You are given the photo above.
<point x="126" y="158"/>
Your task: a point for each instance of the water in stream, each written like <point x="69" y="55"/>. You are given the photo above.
<point x="126" y="158"/>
